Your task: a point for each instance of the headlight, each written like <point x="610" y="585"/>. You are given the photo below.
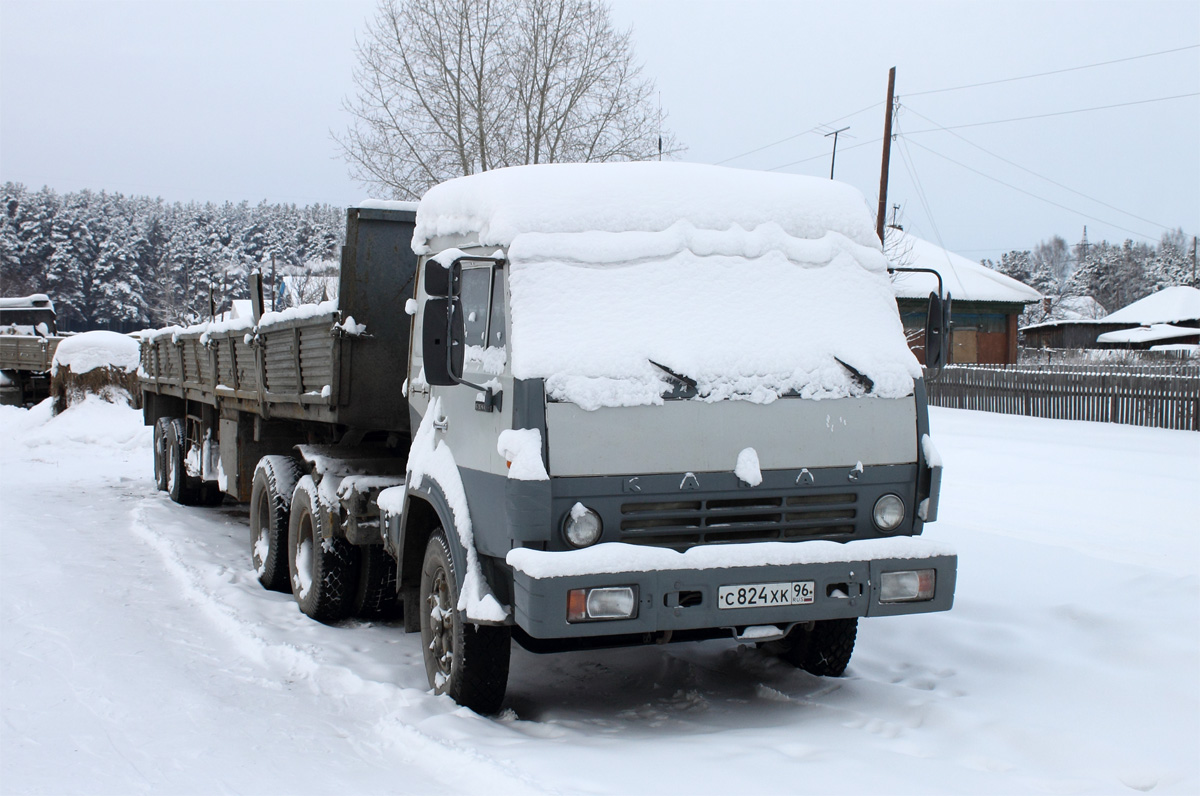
<point x="582" y="527"/>
<point x="889" y="512"/>
<point x="911" y="586"/>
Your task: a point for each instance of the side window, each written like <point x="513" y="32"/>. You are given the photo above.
<point x="483" y="306"/>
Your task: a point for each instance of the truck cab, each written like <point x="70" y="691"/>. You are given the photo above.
<point x="658" y="402"/>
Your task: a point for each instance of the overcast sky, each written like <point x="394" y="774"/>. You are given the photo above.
<point x="235" y="101"/>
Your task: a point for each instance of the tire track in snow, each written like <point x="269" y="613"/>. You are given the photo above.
<point x="471" y="769"/>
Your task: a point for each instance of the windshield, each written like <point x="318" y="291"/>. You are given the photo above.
<point x="708" y="328"/>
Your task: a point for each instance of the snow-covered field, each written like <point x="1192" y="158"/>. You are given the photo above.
<point x="139" y="654"/>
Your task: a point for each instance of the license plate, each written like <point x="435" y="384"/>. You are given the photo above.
<point x="766" y="595"/>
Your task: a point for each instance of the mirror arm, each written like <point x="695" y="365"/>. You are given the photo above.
<point x="921" y="271"/>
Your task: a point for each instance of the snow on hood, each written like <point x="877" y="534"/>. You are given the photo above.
<point x="751" y="284"/>
<point x="90" y="350"/>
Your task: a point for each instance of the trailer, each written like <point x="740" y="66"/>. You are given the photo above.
<point x="575" y="407"/>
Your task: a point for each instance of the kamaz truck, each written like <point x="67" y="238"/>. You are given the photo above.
<point x="578" y="406"/>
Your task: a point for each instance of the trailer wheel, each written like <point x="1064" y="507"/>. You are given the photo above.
<point x="275" y="478"/>
<point x="825" y="650"/>
<point x="376" y="596"/>
<point x="161" y="427"/>
<point x="322" y="571"/>
<point x="466" y="661"/>
<point x="183" y="488"/>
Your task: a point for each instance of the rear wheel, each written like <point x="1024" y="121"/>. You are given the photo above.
<point x="183" y="488"/>
<point x="161" y="430"/>
<point x="322" y="570"/>
<point x="825" y="650"/>
<point x="468" y="662"/>
<point x="376" y="596"/>
<point x="275" y="478"/>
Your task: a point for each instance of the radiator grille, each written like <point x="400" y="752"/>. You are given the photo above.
<point x="685" y="523"/>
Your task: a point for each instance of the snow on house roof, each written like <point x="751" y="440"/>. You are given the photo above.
<point x="1168" y="305"/>
<point x="964" y="279"/>
<point x="1146" y="334"/>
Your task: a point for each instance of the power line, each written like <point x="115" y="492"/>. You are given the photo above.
<point x="1029" y="193"/>
<point x="1053" y="72"/>
<point x="1055" y="113"/>
<point x="844" y="149"/>
<point x="1036" y="174"/>
<point x="815" y="129"/>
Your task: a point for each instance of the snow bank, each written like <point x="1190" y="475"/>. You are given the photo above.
<point x="613" y="557"/>
<point x="85" y="352"/>
<point x="751" y="284"/>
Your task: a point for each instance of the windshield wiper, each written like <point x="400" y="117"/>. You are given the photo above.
<point x="859" y="378"/>
<point x="688" y="384"/>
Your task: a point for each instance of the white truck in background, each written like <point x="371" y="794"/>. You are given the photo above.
<point x="578" y="406"/>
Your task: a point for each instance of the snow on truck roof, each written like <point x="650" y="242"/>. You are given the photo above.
<point x="34" y="301"/>
<point x="497" y="206"/>
<point x="753" y="284"/>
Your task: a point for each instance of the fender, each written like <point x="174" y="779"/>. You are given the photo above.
<point x="422" y="505"/>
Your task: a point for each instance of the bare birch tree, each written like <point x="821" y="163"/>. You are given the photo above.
<point x="453" y="87"/>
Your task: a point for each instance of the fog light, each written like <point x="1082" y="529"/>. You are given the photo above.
<point x="582" y="526"/>
<point x="889" y="512"/>
<point x="608" y="602"/>
<point x="911" y="586"/>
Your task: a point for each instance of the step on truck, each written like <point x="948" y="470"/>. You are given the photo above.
<point x="577" y="406"/>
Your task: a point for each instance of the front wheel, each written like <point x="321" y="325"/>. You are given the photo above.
<point x="824" y="650"/>
<point x="468" y="662"/>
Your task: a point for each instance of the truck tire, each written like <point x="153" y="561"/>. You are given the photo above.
<point x="161" y="466"/>
<point x="825" y="650"/>
<point x="183" y="488"/>
<point x="275" y="479"/>
<point x="322" y="571"/>
<point x="466" y="661"/>
<point x="376" y="596"/>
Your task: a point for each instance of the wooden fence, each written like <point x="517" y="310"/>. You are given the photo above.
<point x="1165" y="396"/>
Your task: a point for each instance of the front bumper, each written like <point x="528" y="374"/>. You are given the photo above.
<point x="678" y="591"/>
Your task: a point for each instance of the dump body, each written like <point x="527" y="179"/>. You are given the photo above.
<point x="28" y="339"/>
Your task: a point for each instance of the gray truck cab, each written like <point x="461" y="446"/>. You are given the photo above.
<point x="657" y="402"/>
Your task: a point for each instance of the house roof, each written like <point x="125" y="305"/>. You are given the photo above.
<point x="1168" y="305"/>
<point x="1146" y="334"/>
<point x="962" y="278"/>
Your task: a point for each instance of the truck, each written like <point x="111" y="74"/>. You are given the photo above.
<point x="28" y="339"/>
<point x="578" y="406"/>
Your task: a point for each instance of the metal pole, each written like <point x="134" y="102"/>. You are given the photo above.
<point x="833" y="160"/>
<point x="887" y="153"/>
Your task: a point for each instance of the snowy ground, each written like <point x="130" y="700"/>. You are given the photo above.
<point x="139" y="654"/>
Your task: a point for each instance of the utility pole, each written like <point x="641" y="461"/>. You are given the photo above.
<point x="887" y="153"/>
<point x="1193" y="261"/>
<point x="894" y="225"/>
<point x="833" y="160"/>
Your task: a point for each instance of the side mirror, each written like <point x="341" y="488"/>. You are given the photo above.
<point x="442" y="334"/>
<point x="443" y="281"/>
<point x="936" y="331"/>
